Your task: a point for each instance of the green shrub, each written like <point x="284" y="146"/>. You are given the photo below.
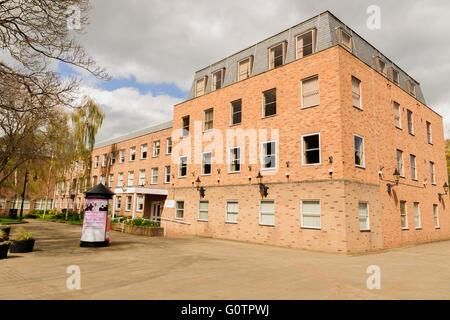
<point x="142" y="223"/>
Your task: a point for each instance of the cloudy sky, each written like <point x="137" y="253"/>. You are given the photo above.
<point x="152" y="48"/>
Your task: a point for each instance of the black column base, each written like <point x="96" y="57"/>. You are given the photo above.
<point x="96" y="244"/>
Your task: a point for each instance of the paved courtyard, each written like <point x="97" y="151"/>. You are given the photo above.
<point x="136" y="267"/>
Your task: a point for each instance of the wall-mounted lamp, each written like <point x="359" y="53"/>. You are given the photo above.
<point x="218" y="171"/>
<point x="249" y="168"/>
<point x="288" y="164"/>
<point x="199" y="188"/>
<point x="396" y="179"/>
<point x="330" y="159"/>
<point x="262" y="188"/>
<point x="445" y="186"/>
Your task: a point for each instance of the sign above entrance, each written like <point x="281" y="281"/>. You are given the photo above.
<point x="169" y="204"/>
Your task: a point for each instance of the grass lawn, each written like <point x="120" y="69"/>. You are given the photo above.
<point x="11" y="221"/>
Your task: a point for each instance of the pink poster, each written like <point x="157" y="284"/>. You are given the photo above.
<point x="94" y="222"/>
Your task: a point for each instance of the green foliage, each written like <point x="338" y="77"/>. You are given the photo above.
<point x="22" y="235"/>
<point x="140" y="222"/>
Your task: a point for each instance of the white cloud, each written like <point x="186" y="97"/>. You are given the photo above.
<point x="128" y="110"/>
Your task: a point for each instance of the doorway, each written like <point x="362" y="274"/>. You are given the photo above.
<point x="156" y="211"/>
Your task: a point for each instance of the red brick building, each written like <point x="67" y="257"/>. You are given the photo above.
<point x="293" y="141"/>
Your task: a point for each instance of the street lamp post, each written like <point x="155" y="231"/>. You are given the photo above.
<point x="23" y="191"/>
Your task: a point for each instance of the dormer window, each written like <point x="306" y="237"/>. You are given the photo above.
<point x="380" y="66"/>
<point x="217" y="79"/>
<point x="395" y="76"/>
<point x="411" y="88"/>
<point x="345" y="39"/>
<point x="245" y="68"/>
<point x="306" y="43"/>
<point x="277" y="54"/>
<point x="200" y="86"/>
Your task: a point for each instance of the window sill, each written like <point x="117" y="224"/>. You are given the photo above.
<point x="416" y="180"/>
<point x="430" y="143"/>
<point x="365" y="231"/>
<point x="235" y="124"/>
<point x="405" y="229"/>
<point x="437" y="228"/>
<point x="360" y="167"/>
<point x="182" y="177"/>
<point x="411" y="134"/>
<point x="179" y="219"/>
<point x="143" y="159"/>
<point x="399" y="128"/>
<point x="309" y="107"/>
<point x="234" y="172"/>
<point x="311" y="164"/>
<point x="267" y="225"/>
<point x="205" y="175"/>
<point x="202" y="220"/>
<point x="419" y="228"/>
<point x="267" y="117"/>
<point x="230" y="222"/>
<point x="358" y="108"/>
<point x="310" y="228"/>
<point x="268" y="169"/>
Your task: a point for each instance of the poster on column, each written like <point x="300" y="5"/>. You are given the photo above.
<point x="94" y="222"/>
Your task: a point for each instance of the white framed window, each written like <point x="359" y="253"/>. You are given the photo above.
<point x="206" y="163"/>
<point x="410" y="122"/>
<point x="236" y="112"/>
<point x="208" y="116"/>
<point x="363" y="214"/>
<point x="311" y="214"/>
<point x="154" y="175"/>
<point x="432" y="174"/>
<point x="96" y="160"/>
<point x="169" y="145"/>
<point x="356" y="93"/>
<point x="305" y="43"/>
<point x="277" y="55"/>
<point x="122" y="156"/>
<point x="140" y="203"/>
<point x="234" y="160"/>
<point x="359" y="151"/>
<point x="381" y="67"/>
<point x="185" y="127"/>
<point x="113" y="158"/>
<point x="400" y="163"/>
<point x="311" y="154"/>
<point x="200" y="86"/>
<point x="310" y="92"/>
<point x="104" y="160"/>
<point x="245" y="68"/>
<point x="144" y="151"/>
<point x="412" y="160"/>
<point x="167" y="174"/>
<point x="182" y="171"/>
<point x="269" y="103"/>
<point x="120" y="179"/>
<point x="417" y="222"/>
<point x="403" y="215"/>
<point x="132" y="154"/>
<point x="118" y="203"/>
<point x="111" y="181"/>
<point x="142" y="177"/>
<point x="267" y="212"/>
<point x="429" y="137"/>
<point x="179" y="210"/>
<point x="436" y="216"/>
<point x="203" y="210"/>
<point x="130" y="178"/>
<point x="412" y="88"/>
<point x="397" y="115"/>
<point x="103" y="179"/>
<point x="94" y="183"/>
<point x="232" y="211"/>
<point x="269" y="155"/>
<point x="156" y="148"/>
<point x="38" y="204"/>
<point x="217" y="79"/>
<point x="128" y="200"/>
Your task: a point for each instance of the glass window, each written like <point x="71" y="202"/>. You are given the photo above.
<point x="185" y="126"/>
<point x="436" y="216"/>
<point x="235" y="160"/>
<point x="169" y="146"/>
<point x="236" y="112"/>
<point x="412" y="160"/>
<point x="416" y="215"/>
<point x="206" y="163"/>
<point x="128" y="203"/>
<point x="208" y="120"/>
<point x="179" y="212"/>
<point x="410" y="122"/>
<point x="140" y="203"/>
<point x="363" y="213"/>
<point x="311" y="149"/>
<point x="400" y="162"/>
<point x="122" y="156"/>
<point x="120" y="179"/>
<point x="132" y="153"/>
<point x="356" y="93"/>
<point x="203" y="210"/>
<point x="156" y="148"/>
<point x="306" y="44"/>
<point x="345" y="40"/>
<point x="269" y="155"/>
<point x="429" y="138"/>
<point x="432" y="174"/>
<point x="276" y="56"/>
<point x="311" y="214"/>
<point x="130" y="178"/>
<point x="142" y="177"/>
<point x="217" y="79"/>
<point x="232" y="211"/>
<point x="183" y="167"/>
<point x="359" y="151"/>
<point x="310" y="92"/>
<point x="267" y="212"/>
<point x="403" y="216"/>
<point x="270" y="103"/>
<point x="144" y="151"/>
<point x="154" y="175"/>
<point x="200" y="86"/>
<point x="245" y="68"/>
<point x="118" y="203"/>
<point x="167" y="174"/>
<point x="397" y="115"/>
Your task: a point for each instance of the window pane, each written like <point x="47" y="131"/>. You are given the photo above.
<point x="310" y="92"/>
<point x="356" y="92"/>
<point x="359" y="151"/>
<point x="311" y="149"/>
<point x="311" y="207"/>
<point x="267" y="219"/>
<point x="270" y="102"/>
<point x="267" y="206"/>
